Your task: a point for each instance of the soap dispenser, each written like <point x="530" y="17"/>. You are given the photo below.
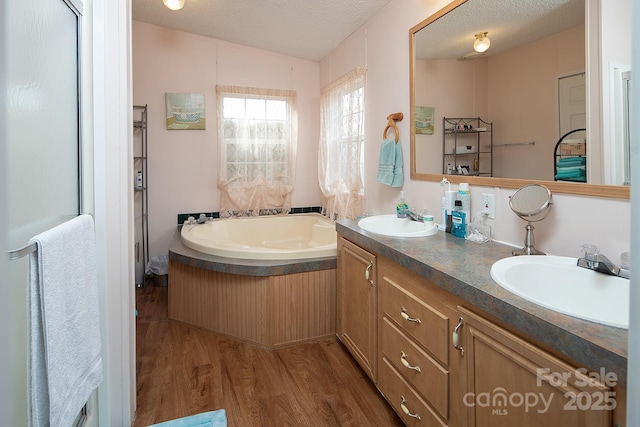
<point x="401" y="206"/>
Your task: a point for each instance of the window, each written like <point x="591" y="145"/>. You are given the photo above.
<point x="258" y="134"/>
<point x="341" y="149"/>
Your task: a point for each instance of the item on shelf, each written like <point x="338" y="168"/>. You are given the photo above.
<point x="465" y="149"/>
<point x="467" y="144"/>
<point x="462" y="169"/>
<point x="569" y="158"/>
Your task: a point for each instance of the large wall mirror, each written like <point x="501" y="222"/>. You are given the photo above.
<point x="551" y="66"/>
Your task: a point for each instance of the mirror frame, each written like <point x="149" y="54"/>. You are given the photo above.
<point x="582" y="189"/>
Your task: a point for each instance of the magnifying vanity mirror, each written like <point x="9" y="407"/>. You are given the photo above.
<point x="547" y="71"/>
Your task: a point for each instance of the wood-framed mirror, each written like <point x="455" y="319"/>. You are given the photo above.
<point x="430" y="33"/>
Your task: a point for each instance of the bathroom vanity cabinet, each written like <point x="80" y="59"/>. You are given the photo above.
<point x="356" y="306"/>
<point x="510" y="381"/>
<point x="419" y="370"/>
<point x="441" y="361"/>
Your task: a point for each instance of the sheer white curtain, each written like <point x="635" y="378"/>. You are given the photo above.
<point x="257" y="135"/>
<point x="340" y="156"/>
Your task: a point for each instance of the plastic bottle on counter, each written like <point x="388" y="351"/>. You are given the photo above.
<point x="401" y="206"/>
<point x="464" y="195"/>
<point x="458" y="221"/>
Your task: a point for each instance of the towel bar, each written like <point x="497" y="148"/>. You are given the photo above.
<point x="26" y="250"/>
<point x="23" y="251"/>
<point x="513" y="144"/>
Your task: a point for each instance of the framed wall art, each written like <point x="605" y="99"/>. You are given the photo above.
<point x="424" y="120"/>
<point x="185" y="111"/>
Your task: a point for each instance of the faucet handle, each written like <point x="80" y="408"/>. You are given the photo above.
<point x="625" y="260"/>
<point x="590" y="251"/>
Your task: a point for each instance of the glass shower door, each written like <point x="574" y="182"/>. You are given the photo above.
<point x="42" y="150"/>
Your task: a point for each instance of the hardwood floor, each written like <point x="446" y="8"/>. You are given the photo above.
<point x="183" y="370"/>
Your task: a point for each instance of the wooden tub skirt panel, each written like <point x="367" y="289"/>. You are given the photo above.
<point x="271" y="311"/>
<point x="303" y="306"/>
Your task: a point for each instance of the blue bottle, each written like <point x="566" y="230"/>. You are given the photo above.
<point x="458" y="220"/>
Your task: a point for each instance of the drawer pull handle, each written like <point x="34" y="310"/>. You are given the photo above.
<point x="405" y="362"/>
<point x="456" y="336"/>
<point x="367" y="273"/>
<point x="406" y="317"/>
<point x="407" y="411"/>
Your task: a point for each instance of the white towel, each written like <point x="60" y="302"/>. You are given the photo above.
<point x="65" y="365"/>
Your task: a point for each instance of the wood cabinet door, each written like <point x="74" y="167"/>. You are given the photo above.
<point x="511" y="382"/>
<point x="356" y="304"/>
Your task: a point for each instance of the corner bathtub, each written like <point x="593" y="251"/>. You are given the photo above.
<point x="269" y="281"/>
<point x="298" y="236"/>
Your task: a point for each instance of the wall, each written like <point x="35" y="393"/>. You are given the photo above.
<point x="183" y="165"/>
<point x="461" y="92"/>
<point x="382" y="46"/>
<point x="522" y="84"/>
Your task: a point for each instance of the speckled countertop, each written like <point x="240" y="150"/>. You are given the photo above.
<point x="463" y="268"/>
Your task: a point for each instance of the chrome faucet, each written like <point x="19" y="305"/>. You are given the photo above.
<point x="594" y="260"/>
<point x="202" y="219"/>
<point x="412" y="215"/>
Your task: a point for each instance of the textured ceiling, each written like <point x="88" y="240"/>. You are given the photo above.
<point x="509" y="23"/>
<point x="307" y="29"/>
<point x="310" y="29"/>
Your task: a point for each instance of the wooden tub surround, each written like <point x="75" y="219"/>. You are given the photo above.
<point x="271" y="304"/>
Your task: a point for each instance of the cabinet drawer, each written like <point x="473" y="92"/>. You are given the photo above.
<point x="421" y="321"/>
<point x="423" y="372"/>
<point x="399" y="393"/>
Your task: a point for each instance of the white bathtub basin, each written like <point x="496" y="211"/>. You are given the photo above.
<point x="278" y="237"/>
<point x="391" y="225"/>
<point x="558" y="284"/>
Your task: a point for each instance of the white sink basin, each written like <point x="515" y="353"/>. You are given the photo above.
<point x="391" y="225"/>
<point x="558" y="284"/>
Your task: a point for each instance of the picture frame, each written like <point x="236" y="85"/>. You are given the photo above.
<point x="424" y="120"/>
<point x="185" y="111"/>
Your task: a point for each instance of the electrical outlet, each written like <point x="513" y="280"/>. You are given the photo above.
<point x="489" y="205"/>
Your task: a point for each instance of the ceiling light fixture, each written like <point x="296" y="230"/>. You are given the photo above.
<point x="482" y="42"/>
<point x="173" y="4"/>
